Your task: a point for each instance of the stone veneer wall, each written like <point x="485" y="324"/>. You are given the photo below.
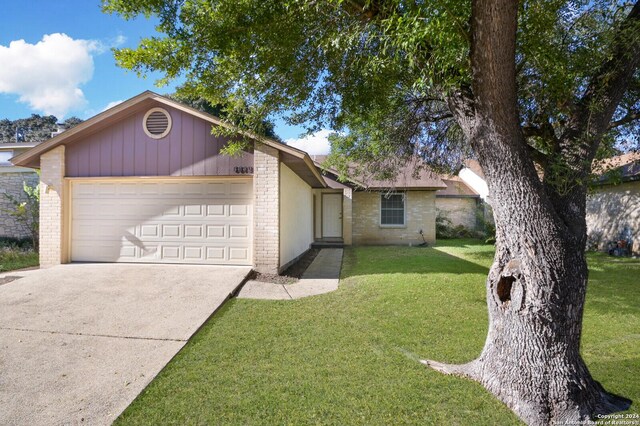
<point x="420" y="213"/>
<point x="52" y="195"/>
<point x="12" y="183"/>
<point x="266" y="209"/>
<point x="611" y="209"/>
<point x="460" y="211"/>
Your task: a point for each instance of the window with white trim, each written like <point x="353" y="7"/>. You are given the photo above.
<point x="392" y="209"/>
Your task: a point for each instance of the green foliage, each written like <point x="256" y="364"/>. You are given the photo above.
<point x="27" y="211"/>
<point x="486" y="225"/>
<point x="445" y="229"/>
<point x="379" y="73"/>
<point x="485" y="228"/>
<point x="220" y="111"/>
<point x="34" y="129"/>
<point x="12" y="258"/>
<point x="19" y="243"/>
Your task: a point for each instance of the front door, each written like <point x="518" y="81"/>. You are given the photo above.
<point x="331" y="215"/>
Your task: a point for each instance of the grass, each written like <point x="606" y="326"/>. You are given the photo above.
<point x="12" y="258"/>
<point x="350" y="357"/>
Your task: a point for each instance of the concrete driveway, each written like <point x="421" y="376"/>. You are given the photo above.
<point x="79" y="342"/>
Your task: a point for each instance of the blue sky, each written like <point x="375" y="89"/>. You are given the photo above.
<point x="55" y="58"/>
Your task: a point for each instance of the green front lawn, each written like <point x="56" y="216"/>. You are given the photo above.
<point x="351" y="357"/>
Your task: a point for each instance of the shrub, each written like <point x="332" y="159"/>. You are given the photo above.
<point x="17" y="243"/>
<point x="27" y="212"/>
<point x="446" y="230"/>
<point x="486" y="227"/>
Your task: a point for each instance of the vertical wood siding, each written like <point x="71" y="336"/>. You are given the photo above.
<point x="125" y="150"/>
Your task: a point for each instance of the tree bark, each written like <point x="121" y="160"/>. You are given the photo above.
<point x="537" y="284"/>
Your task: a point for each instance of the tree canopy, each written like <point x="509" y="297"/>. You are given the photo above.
<point x="33" y="129"/>
<point x="383" y="69"/>
<point x="536" y="89"/>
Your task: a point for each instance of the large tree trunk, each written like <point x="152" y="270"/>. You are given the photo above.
<point x="537" y="284"/>
<point x="535" y="296"/>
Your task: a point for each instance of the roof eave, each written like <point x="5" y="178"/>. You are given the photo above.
<point x="404" y="188"/>
<point x="31" y="158"/>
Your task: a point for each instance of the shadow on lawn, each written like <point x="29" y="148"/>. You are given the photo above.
<point x="613" y="286"/>
<point x="405" y="260"/>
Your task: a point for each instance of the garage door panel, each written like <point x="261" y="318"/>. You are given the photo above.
<point x="238" y="254"/>
<point x="238" y="210"/>
<point x="164" y="222"/>
<point x="216" y="188"/>
<point x="171" y="230"/>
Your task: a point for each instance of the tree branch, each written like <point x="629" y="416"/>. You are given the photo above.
<point x="630" y="117"/>
<point x="538" y="157"/>
<point x="365" y="10"/>
<point x="607" y="87"/>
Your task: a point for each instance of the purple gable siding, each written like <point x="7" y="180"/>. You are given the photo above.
<point x="124" y="149"/>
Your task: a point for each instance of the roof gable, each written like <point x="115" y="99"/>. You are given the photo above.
<point x="299" y="161"/>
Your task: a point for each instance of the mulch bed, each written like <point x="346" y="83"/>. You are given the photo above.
<point x="292" y="274"/>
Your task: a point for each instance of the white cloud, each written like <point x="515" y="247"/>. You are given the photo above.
<point x="314" y="144"/>
<point x="112" y="104"/>
<point x="118" y="41"/>
<point x="47" y="75"/>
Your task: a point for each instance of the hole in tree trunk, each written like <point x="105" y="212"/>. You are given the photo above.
<point x="504" y="288"/>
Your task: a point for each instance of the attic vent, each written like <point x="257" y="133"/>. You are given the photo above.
<point x="157" y="123"/>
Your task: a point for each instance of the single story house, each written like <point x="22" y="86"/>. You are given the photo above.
<point x="12" y="180"/>
<point x="461" y="204"/>
<point x="613" y="205"/>
<point x="145" y="181"/>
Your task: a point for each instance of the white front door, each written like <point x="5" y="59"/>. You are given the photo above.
<point x="172" y="220"/>
<point x="331" y="215"/>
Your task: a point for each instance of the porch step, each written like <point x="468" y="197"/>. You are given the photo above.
<point x="327" y="244"/>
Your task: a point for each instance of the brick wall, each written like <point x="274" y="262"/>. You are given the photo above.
<point x="612" y="209"/>
<point x="51" y="207"/>
<point x="266" y="213"/>
<point x="460" y="211"/>
<point x="12" y="183"/>
<point x="420" y="213"/>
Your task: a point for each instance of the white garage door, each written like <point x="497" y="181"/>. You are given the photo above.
<point x="205" y="221"/>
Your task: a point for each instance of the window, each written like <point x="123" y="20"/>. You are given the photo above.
<point x="392" y="209"/>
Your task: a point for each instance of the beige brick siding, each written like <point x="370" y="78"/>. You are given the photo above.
<point x="266" y="211"/>
<point x="460" y="211"/>
<point x="611" y="209"/>
<point x="52" y="195"/>
<point x="420" y="213"/>
<point x="12" y="183"/>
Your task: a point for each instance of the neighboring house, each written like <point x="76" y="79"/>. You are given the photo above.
<point x="473" y="176"/>
<point x="613" y="206"/>
<point x="145" y="182"/>
<point x="459" y="203"/>
<point x="12" y="180"/>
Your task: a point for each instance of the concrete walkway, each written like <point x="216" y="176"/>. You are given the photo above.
<point x="79" y="342"/>
<point x="321" y="277"/>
